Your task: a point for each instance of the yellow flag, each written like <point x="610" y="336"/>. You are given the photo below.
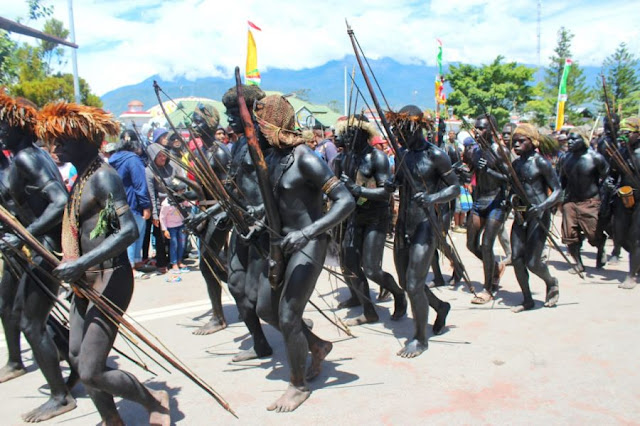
<point x="252" y="74"/>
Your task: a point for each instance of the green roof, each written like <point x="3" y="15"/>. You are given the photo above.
<point x="181" y="108"/>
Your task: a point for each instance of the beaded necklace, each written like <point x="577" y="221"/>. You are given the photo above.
<point x="71" y="217"/>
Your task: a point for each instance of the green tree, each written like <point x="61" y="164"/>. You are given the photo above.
<point x="302" y="94"/>
<point x="30" y="68"/>
<point x="8" y="65"/>
<point x="623" y="84"/>
<point x="543" y="106"/>
<point x="52" y="50"/>
<point x="54" y="88"/>
<point x="335" y="106"/>
<point x="499" y="88"/>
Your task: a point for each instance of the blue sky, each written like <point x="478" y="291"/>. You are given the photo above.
<point x="124" y="41"/>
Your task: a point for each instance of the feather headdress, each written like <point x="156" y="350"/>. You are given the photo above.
<point x="18" y="112"/>
<point x="73" y="121"/>
<point x="395" y="118"/>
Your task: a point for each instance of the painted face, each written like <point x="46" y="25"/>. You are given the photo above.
<point x="9" y="136"/>
<point x="235" y="122"/>
<point x="200" y="127"/>
<point x="66" y="150"/>
<point x="483" y="129"/>
<point x="506" y="135"/>
<point x="522" y="144"/>
<point x="575" y="142"/>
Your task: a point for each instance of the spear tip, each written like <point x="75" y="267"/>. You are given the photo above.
<point x="348" y="26"/>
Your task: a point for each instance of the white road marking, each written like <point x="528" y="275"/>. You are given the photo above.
<point x="146" y="315"/>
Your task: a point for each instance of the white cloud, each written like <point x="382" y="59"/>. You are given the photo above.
<point x="123" y="42"/>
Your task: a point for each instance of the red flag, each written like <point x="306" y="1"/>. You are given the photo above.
<point x="254" y="26"/>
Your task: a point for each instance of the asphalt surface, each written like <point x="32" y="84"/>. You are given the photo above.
<point x="573" y="364"/>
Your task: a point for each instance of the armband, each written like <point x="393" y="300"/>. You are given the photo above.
<point x="330" y="185"/>
<point x="122" y="209"/>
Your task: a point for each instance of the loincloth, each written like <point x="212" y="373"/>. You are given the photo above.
<point x="580" y="217"/>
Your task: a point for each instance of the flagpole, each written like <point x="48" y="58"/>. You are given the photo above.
<point x="345" y="91"/>
<point x="562" y="95"/>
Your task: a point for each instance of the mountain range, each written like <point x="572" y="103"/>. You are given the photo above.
<point x="402" y="84"/>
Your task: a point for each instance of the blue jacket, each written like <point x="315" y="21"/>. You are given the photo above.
<point x="131" y="168"/>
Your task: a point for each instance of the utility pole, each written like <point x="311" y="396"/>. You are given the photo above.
<point x="538" y="35"/>
<point x="74" y="55"/>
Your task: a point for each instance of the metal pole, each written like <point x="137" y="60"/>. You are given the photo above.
<point x="74" y="55"/>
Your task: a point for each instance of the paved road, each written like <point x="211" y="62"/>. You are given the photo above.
<point x="575" y="364"/>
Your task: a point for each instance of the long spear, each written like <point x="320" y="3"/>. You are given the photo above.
<point x="99" y="301"/>
<point x="435" y="225"/>
<point x="276" y="257"/>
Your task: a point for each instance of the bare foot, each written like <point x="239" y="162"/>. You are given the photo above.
<point x="349" y="303"/>
<point x="578" y="266"/>
<point x="161" y="415"/>
<point x="319" y="352"/>
<point x="399" y="306"/>
<point x="433" y="284"/>
<point x="628" y="284"/>
<point x="51" y="408"/>
<point x="211" y="327"/>
<point x="526" y="306"/>
<point x="252" y="354"/>
<point x="553" y="294"/>
<point x="441" y="318"/>
<point x="362" y="319"/>
<point x="290" y="400"/>
<point x="482" y="298"/>
<point x="9" y="372"/>
<point x="412" y="349"/>
<point x="383" y="295"/>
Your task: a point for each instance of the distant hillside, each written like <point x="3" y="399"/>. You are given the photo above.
<point x="402" y="85"/>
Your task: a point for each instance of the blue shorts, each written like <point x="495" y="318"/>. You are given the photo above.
<point x="490" y="208"/>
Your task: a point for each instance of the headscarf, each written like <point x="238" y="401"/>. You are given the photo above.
<point x="529" y="131"/>
<point x="277" y="119"/>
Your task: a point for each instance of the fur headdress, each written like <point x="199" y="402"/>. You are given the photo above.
<point x="251" y="93"/>
<point x="18" y="112"/>
<point x="631" y="124"/>
<point x="277" y="120"/>
<point x="412" y="114"/>
<point x="582" y="131"/>
<point x="73" y="121"/>
<point x="209" y="114"/>
<point x="356" y="122"/>
<point x="528" y="131"/>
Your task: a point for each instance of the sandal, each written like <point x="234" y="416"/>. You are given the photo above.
<point x="173" y="279"/>
<point x="482" y="298"/>
<point x="141" y="275"/>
